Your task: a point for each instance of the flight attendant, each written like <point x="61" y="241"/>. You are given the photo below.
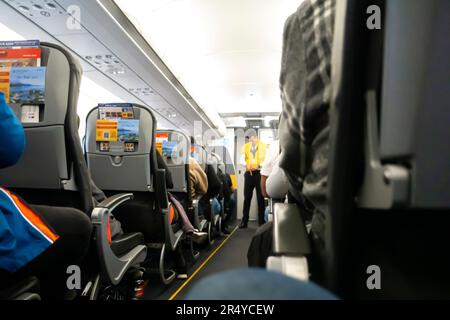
<point x="254" y="152"/>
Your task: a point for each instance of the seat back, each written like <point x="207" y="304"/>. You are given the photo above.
<point x="119" y="149"/>
<point x="213" y="160"/>
<point x="128" y="163"/>
<point x="52" y="170"/>
<point x="389" y="155"/>
<point x="174" y="147"/>
<point x="414" y="117"/>
<point x="199" y="153"/>
<point x="225" y="158"/>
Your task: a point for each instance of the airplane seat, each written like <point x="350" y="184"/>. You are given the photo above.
<point x="405" y="165"/>
<point x="387" y="201"/>
<point x="216" y="163"/>
<point x="52" y="172"/>
<point x="200" y="221"/>
<point x="222" y="170"/>
<point x="214" y="189"/>
<point x="118" y="169"/>
<point x="175" y="148"/>
<point x="227" y="167"/>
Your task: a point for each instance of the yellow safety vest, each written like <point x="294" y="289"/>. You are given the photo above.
<point x="257" y="158"/>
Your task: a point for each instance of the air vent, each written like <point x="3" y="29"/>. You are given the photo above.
<point x="255" y="124"/>
<point x="104" y="60"/>
<point x="38" y="8"/>
<point x="142" y="92"/>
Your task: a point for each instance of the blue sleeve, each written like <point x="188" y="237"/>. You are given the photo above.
<point x="11" y="134"/>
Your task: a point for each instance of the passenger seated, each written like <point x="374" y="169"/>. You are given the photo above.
<point x="228" y="197"/>
<point x="199" y="180"/>
<point x="180" y="214"/>
<point x="273" y="185"/>
<point x="304" y="116"/>
<point x="214" y="187"/>
<point x="50" y="240"/>
<point x="305" y="84"/>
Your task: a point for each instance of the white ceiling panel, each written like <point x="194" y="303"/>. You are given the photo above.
<point x="226" y="53"/>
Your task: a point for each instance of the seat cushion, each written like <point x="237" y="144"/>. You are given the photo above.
<point x="30" y="285"/>
<point x="124" y="243"/>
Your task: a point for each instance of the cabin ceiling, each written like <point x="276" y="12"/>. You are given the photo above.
<point x="226" y="53"/>
<point x="188" y="60"/>
<point x="111" y="57"/>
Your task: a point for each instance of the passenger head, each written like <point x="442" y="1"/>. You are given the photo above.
<point x="253" y="137"/>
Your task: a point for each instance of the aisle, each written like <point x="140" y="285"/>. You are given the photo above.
<point x="230" y="254"/>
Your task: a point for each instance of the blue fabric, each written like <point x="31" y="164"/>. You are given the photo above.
<point x="216" y="207"/>
<point x="20" y="242"/>
<point x="256" y="284"/>
<point x="12" y="135"/>
<point x="230" y="204"/>
<point x="266" y="214"/>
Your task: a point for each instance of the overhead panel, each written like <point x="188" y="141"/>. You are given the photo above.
<point x="101" y="45"/>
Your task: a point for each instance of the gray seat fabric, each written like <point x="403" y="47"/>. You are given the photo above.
<point x="178" y="160"/>
<point x="117" y="171"/>
<point x="62" y="179"/>
<point x="397" y="236"/>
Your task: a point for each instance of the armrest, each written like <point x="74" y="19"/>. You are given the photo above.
<point x="113" y="202"/>
<point x="291" y="242"/>
<point x="289" y="231"/>
<point x="195" y="204"/>
<point x="113" y="268"/>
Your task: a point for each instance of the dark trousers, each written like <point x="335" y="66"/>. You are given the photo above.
<point x="253" y="181"/>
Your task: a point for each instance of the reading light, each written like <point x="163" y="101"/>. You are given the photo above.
<point x="51" y="6"/>
<point x="37" y="7"/>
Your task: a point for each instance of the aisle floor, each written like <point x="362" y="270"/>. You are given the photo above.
<point x="227" y="253"/>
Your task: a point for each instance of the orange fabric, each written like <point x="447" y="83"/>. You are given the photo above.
<point x="108" y="231"/>
<point x="33" y="217"/>
<point x="172" y="214"/>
